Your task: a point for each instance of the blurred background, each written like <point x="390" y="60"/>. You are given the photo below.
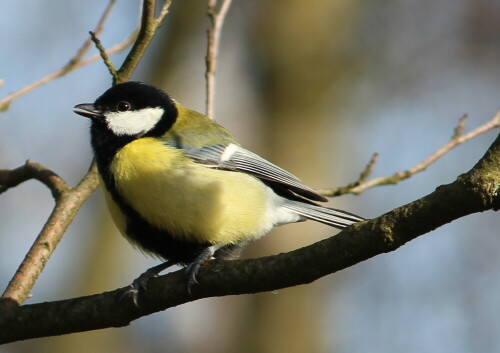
<point x="315" y="87"/>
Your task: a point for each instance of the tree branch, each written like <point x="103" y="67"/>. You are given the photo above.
<point x="148" y="28"/>
<point x="213" y="40"/>
<point x="475" y="191"/>
<point x="104" y="55"/>
<point x="361" y="185"/>
<point x="10" y="178"/>
<point x="68" y="202"/>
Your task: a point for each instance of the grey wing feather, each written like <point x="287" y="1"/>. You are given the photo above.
<point x="330" y="216"/>
<point x="235" y="158"/>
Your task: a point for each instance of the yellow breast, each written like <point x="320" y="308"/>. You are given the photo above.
<point x="192" y="202"/>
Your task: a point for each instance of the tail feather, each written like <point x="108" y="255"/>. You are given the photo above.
<point x="329" y="216"/>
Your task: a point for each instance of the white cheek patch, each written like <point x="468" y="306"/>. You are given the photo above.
<point x="135" y="122"/>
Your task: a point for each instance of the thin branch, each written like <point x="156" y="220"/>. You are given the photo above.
<point x="10" y="178"/>
<point x="163" y="12"/>
<point x="86" y="45"/>
<point x="73" y="63"/>
<point x="213" y="40"/>
<point x="114" y="49"/>
<point x="458" y="138"/>
<point x="475" y="191"/>
<point x="459" y="129"/>
<point x="5" y="102"/>
<point x="104" y="55"/>
<point x="333" y="192"/>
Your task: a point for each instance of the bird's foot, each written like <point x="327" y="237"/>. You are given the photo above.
<point x="141" y="282"/>
<point x="193" y="268"/>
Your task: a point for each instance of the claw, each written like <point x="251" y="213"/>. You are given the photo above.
<point x="133" y="292"/>
<point x="141" y="283"/>
<point x="192" y="271"/>
<point x="194" y="267"/>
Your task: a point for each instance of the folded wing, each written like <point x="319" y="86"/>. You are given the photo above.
<point x="235" y="158"/>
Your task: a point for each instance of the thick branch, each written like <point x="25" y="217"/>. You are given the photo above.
<point x="476" y="191"/>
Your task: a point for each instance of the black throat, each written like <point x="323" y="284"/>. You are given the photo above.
<point x="105" y="147"/>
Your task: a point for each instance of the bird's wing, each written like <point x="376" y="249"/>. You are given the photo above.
<point x="235" y="158"/>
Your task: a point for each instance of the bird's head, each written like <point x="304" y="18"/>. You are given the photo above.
<point x="130" y="110"/>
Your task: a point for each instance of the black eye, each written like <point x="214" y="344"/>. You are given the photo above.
<point x="123" y="106"/>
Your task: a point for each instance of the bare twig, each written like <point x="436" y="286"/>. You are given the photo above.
<point x="104" y="55"/>
<point x="5" y="102"/>
<point x="213" y="40"/>
<point x="368" y="169"/>
<point x="74" y="63"/>
<point x="457" y="139"/>
<point x="10" y="178"/>
<point x="86" y="45"/>
<point x="459" y="129"/>
<point x="333" y="192"/>
<point x="163" y="12"/>
<point x="69" y="201"/>
<point x="114" y="49"/>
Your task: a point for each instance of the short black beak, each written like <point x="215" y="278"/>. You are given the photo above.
<point x="88" y="110"/>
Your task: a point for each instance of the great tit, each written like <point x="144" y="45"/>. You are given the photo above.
<point x="179" y="186"/>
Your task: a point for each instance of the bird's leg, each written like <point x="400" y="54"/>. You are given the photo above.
<point x="194" y="267"/>
<point x="142" y="281"/>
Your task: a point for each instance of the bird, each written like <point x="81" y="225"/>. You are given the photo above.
<point x="180" y="187"/>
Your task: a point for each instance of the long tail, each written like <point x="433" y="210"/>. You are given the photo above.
<point x="329" y="216"/>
